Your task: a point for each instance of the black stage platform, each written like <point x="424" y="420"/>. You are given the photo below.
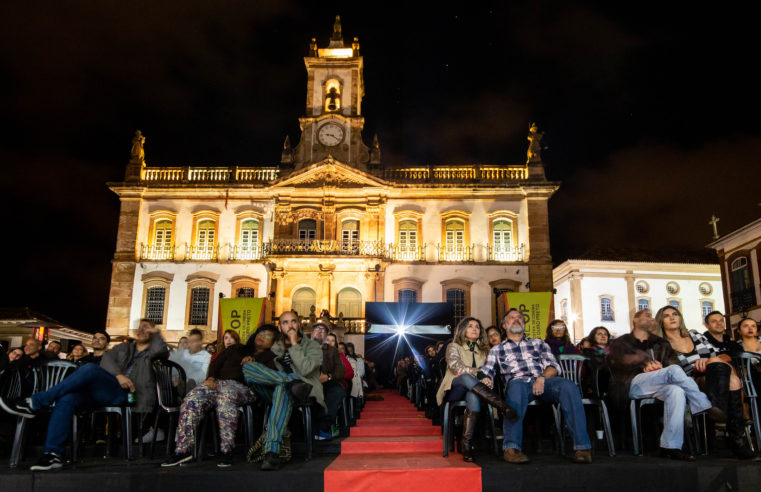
<point x="545" y="472"/>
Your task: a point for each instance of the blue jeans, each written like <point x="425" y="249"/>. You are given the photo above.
<point x="556" y="390"/>
<point x="88" y="386"/>
<point x="461" y="386"/>
<point x="675" y="389"/>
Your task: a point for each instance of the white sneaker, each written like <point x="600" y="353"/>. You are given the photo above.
<point x="148" y="437"/>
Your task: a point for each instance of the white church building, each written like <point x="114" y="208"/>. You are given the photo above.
<point x="591" y="293"/>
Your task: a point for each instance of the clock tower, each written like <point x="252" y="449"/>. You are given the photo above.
<point x="333" y="122"/>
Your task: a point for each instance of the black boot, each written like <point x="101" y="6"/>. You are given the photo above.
<point x="486" y="394"/>
<point x="469" y="421"/>
<point x="736" y="428"/>
<point x="717" y="389"/>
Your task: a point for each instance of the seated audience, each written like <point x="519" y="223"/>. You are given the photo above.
<point x="558" y="339"/>
<point x="529" y="370"/>
<point x="358" y="366"/>
<point x="644" y="365"/>
<point x="183" y="343"/>
<point x="78" y="354"/>
<point x="331" y="374"/>
<point x="194" y="360"/>
<point x="211" y="348"/>
<point x="465" y="355"/>
<point x="494" y="336"/>
<point x="127" y="367"/>
<point x="717" y="335"/>
<point x="332" y="340"/>
<point x="54" y="348"/>
<point x="15" y="354"/>
<point x="430" y="352"/>
<point x="298" y="361"/>
<point x="100" y="341"/>
<point x="699" y="359"/>
<point x="223" y="390"/>
<point x="229" y="338"/>
<point x="746" y="335"/>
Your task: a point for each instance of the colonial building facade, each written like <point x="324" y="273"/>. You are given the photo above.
<point x="740" y="259"/>
<point x="331" y="226"/>
<point x="592" y="293"/>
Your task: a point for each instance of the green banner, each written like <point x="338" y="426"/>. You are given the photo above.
<point x="242" y="314"/>
<point x="536" y="307"/>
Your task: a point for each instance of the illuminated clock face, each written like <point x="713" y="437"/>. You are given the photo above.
<point x="330" y="134"/>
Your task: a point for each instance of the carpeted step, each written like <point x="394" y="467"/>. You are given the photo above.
<point x="383" y="414"/>
<point x="407" y="421"/>
<point x="394" y="430"/>
<point x="401" y="472"/>
<point x="396" y="444"/>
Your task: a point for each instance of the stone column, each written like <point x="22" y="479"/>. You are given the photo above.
<point x="123" y="268"/>
<point x="324" y="296"/>
<point x="577" y="307"/>
<point x="538" y="247"/>
<point x="630" y="294"/>
<point x="278" y="278"/>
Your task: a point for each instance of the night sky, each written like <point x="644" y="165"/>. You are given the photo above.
<point x="651" y="113"/>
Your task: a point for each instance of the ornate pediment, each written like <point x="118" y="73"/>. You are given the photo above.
<point x="330" y="173"/>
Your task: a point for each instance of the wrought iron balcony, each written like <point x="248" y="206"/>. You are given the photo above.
<point x="246" y="252"/>
<point x="506" y="255"/>
<point x="743" y="300"/>
<point x="200" y="253"/>
<point x="281" y="247"/>
<point x="455" y="253"/>
<point x="406" y="253"/>
<point x="157" y="252"/>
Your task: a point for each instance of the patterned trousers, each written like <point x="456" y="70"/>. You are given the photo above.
<point x="228" y="396"/>
<point x="270" y="385"/>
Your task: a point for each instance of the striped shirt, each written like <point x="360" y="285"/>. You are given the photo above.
<point x="524" y="360"/>
<point x="702" y="350"/>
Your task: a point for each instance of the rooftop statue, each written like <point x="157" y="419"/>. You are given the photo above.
<point x="137" y="153"/>
<point x="534" y="153"/>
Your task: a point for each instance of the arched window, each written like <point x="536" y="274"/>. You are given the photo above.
<point x="740" y="274"/>
<point x="249" y="238"/>
<point x="303" y="299"/>
<point x="455" y="235"/>
<point x="154" y="304"/>
<point x="205" y="240"/>
<point x="349" y="303"/>
<point x="643" y="304"/>
<point x="408" y="239"/>
<point x="162" y="235"/>
<point x="503" y="239"/>
<point x="408" y="296"/>
<point x="706" y="307"/>
<point x="332" y="95"/>
<point x="199" y="306"/>
<point x="606" y="309"/>
<point x="456" y="297"/>
<point x="307" y="231"/>
<point x="675" y="303"/>
<point x="246" y="292"/>
<point x="350" y="236"/>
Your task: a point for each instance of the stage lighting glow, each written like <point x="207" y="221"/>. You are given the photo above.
<point x="401" y="329"/>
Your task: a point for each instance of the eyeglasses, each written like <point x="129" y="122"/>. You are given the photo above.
<point x="558" y="327"/>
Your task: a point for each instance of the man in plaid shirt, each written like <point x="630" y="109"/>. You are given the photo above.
<point x="529" y="369"/>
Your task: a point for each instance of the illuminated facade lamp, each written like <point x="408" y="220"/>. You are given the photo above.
<point x="41" y="333"/>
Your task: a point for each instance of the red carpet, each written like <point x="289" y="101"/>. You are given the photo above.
<point x="395" y="448"/>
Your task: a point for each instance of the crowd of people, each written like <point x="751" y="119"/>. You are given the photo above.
<point x="280" y="367"/>
<point x="277" y="368"/>
<point x="692" y="373"/>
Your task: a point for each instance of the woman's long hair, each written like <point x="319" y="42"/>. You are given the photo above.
<point x="459" y="333"/>
<point x="548" y="333"/>
<point x="592" y="337"/>
<point x="659" y="316"/>
<point x="221" y="343"/>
